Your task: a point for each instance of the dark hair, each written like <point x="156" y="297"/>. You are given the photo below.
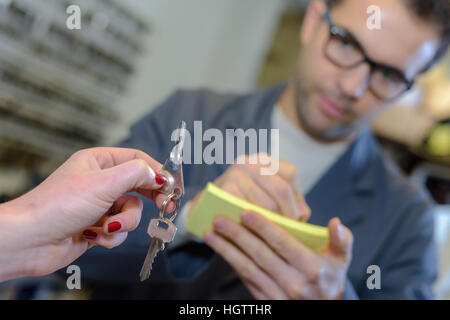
<point x="436" y="12"/>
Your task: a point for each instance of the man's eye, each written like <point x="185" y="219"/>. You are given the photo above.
<point x="391" y="76"/>
<point x="388" y="75"/>
<point x="347" y="43"/>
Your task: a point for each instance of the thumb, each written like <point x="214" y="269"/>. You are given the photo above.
<point x="129" y="176"/>
<point x="341" y="239"/>
<point x="288" y="171"/>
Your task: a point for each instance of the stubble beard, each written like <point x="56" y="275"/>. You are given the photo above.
<point x="333" y="134"/>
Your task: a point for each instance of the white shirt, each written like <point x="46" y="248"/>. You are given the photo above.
<point x="311" y="157"/>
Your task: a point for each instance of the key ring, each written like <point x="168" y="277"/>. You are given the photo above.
<point x="162" y="210"/>
<point x="173" y="171"/>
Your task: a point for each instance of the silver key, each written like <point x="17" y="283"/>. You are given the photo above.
<point x="162" y="231"/>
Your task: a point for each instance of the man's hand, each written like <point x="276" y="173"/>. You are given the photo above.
<point x="271" y="262"/>
<point x="83" y="203"/>
<point x="278" y="192"/>
<point x="274" y="265"/>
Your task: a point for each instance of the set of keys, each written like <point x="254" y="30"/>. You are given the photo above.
<point x="161" y="229"/>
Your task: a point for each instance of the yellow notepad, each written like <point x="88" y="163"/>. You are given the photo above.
<point x="215" y="201"/>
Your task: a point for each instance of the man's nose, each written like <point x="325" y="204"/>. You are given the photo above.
<point x="354" y="82"/>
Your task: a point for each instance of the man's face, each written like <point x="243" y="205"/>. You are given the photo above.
<point x="333" y="101"/>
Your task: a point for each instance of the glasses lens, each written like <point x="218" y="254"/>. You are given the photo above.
<point x="343" y="51"/>
<point x="387" y="84"/>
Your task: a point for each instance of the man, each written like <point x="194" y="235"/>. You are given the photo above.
<point x="346" y="75"/>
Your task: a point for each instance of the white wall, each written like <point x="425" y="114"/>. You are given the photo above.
<point x="218" y="44"/>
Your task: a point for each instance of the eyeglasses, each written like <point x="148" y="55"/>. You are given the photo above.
<point x="342" y="49"/>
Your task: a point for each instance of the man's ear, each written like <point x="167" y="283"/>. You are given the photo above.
<point x="313" y="15"/>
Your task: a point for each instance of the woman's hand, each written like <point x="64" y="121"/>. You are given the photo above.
<point x="83" y="203"/>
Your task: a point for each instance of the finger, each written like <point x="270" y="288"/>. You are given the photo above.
<point x="261" y="254"/>
<point x="284" y="244"/>
<point x="281" y="192"/>
<point x="134" y="174"/>
<point x="304" y="208"/>
<point x="109" y="241"/>
<point x="227" y="182"/>
<point x="158" y="198"/>
<point x="243" y="266"/>
<point x="288" y="171"/>
<point x="112" y="157"/>
<point x="312" y="292"/>
<point x="114" y="182"/>
<point x="256" y="293"/>
<point x="127" y="215"/>
<point x="255" y="194"/>
<point x="289" y="198"/>
<point x="341" y="239"/>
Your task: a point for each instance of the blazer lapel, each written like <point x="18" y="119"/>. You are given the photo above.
<point x="344" y="189"/>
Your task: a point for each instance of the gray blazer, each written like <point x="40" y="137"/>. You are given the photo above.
<point x="391" y="220"/>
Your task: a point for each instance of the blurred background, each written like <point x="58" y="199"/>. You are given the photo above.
<point x="62" y="90"/>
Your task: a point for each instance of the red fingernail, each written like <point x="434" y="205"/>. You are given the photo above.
<point x="89" y="234"/>
<point x="114" y="226"/>
<point x="160" y="179"/>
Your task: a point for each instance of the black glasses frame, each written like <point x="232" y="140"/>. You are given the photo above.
<point x="338" y="31"/>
